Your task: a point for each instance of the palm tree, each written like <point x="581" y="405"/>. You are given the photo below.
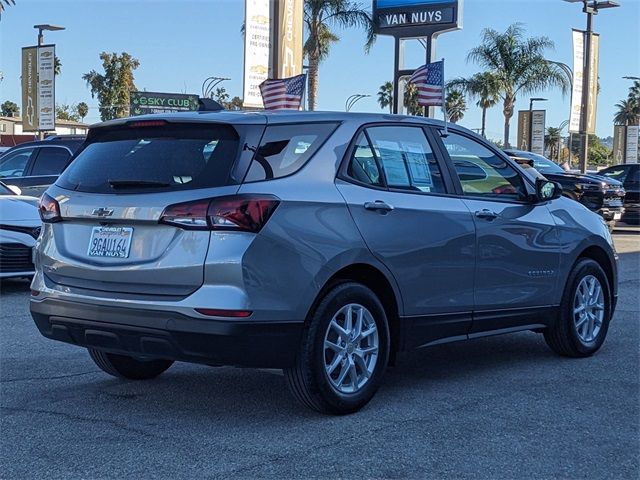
<point x="628" y="112"/>
<point x="385" y="96"/>
<point x="57" y="65"/>
<point x="319" y="17"/>
<point x="5" y="2"/>
<point x="411" y="100"/>
<point x="483" y="86"/>
<point x="519" y="66"/>
<point x="552" y="141"/>
<point x="634" y="91"/>
<point x="455" y="105"/>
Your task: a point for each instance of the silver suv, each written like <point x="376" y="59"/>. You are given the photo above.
<point x="320" y="243"/>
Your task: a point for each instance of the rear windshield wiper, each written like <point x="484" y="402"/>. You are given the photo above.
<point x="136" y="183"/>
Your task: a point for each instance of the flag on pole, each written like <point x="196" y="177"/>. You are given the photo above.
<point x="429" y="80"/>
<point x="283" y="93"/>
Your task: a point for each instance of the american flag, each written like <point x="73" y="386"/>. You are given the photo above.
<point x="429" y="80"/>
<point x="285" y="93"/>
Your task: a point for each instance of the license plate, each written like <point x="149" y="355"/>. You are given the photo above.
<point x="110" y="242"/>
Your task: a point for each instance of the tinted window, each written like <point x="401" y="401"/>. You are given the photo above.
<point x="4" y="190"/>
<point x="14" y="164"/>
<point x="406" y="158"/>
<point x="172" y="157"/>
<point x="363" y="166"/>
<point x="50" y="161"/>
<point x="617" y="173"/>
<point x="285" y="149"/>
<point x="499" y="179"/>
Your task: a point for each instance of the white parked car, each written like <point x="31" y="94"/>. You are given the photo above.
<point x="19" y="228"/>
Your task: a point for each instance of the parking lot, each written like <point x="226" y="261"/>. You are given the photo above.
<point x="501" y="407"/>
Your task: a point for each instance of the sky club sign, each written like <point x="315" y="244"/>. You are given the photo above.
<point x="416" y="18"/>
<point x="153" y="102"/>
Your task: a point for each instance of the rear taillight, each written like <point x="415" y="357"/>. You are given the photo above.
<point x="246" y="213"/>
<point x="49" y="209"/>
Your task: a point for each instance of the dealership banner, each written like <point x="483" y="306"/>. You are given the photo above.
<point x="46" y="88"/>
<point x="256" y="50"/>
<point x="286" y="38"/>
<point x="141" y="103"/>
<point x="633" y="131"/>
<point x="30" y="121"/>
<point x="537" y="131"/>
<point x="578" y="71"/>
<point x="619" y="139"/>
<point x="523" y="129"/>
<point x="594" y="63"/>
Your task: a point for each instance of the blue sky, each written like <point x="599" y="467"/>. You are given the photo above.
<point x="181" y="42"/>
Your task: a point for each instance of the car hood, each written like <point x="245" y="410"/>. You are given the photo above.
<point x="19" y="208"/>
<point x="584" y="178"/>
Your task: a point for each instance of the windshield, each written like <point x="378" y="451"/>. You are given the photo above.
<point x="158" y="158"/>
<point x="540" y="163"/>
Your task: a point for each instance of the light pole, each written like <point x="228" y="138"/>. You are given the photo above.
<point x="590" y="7"/>
<point x="42" y="28"/>
<point x="353" y="99"/>
<point x="210" y="83"/>
<point x="531" y="100"/>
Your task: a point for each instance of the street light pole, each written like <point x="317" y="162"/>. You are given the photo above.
<point x="210" y="83"/>
<point x="353" y="99"/>
<point x="584" y="117"/>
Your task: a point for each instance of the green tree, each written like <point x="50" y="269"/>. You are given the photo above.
<point x="553" y="140"/>
<point x="57" y="65"/>
<point x="411" y="100"/>
<point x="628" y="112"/>
<point x="482" y="86"/>
<point x="5" y="2"/>
<point x="234" y="104"/>
<point x="67" y="112"/>
<point x="220" y="95"/>
<point x="9" y="109"/>
<point x="519" y="65"/>
<point x="113" y="86"/>
<point x="319" y="17"/>
<point x="385" y="96"/>
<point x="598" y="153"/>
<point x="82" y="110"/>
<point x="455" y="105"/>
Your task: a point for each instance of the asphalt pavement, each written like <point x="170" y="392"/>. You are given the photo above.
<point x="500" y="407"/>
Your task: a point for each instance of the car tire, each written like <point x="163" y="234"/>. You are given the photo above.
<point x="317" y="380"/>
<point x="124" y="366"/>
<point x="583" y="320"/>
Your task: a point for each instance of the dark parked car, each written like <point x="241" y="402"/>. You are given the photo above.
<point x="629" y="175"/>
<point x="33" y="166"/>
<point x="320" y="243"/>
<point x="603" y="195"/>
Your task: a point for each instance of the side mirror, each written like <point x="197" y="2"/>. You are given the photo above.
<point x="546" y="190"/>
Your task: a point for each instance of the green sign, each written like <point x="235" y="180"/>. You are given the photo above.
<point x="142" y="103"/>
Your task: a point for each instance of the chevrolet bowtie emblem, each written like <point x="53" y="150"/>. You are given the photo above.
<point x="102" y="212"/>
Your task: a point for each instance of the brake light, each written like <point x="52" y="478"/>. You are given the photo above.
<point x="49" y="209"/>
<point x="147" y="123"/>
<point x="247" y="213"/>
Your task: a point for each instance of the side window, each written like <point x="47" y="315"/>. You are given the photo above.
<point x="285" y="149"/>
<point x="617" y="173"/>
<point x="482" y="172"/>
<point x="407" y="158"/>
<point x="363" y="166"/>
<point x="14" y="164"/>
<point x="50" y="161"/>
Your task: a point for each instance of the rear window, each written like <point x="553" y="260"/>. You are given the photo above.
<point x="285" y="149"/>
<point x="151" y="159"/>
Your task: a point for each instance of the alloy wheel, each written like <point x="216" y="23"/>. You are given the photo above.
<point x="588" y="308"/>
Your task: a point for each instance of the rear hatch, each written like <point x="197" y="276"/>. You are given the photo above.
<point x="111" y="199"/>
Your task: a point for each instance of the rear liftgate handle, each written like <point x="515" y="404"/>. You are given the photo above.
<point x="379" y="206"/>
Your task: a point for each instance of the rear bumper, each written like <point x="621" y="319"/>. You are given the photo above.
<point x="169" y="335"/>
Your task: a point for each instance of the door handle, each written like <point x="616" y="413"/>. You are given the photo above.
<point x="378" y="205"/>
<point x="486" y="214"/>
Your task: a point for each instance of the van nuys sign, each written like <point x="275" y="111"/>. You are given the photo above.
<point x="415" y="18"/>
<point x="142" y="103"/>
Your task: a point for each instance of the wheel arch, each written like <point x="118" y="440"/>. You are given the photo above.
<point x="600" y="256"/>
<point x="379" y="283"/>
